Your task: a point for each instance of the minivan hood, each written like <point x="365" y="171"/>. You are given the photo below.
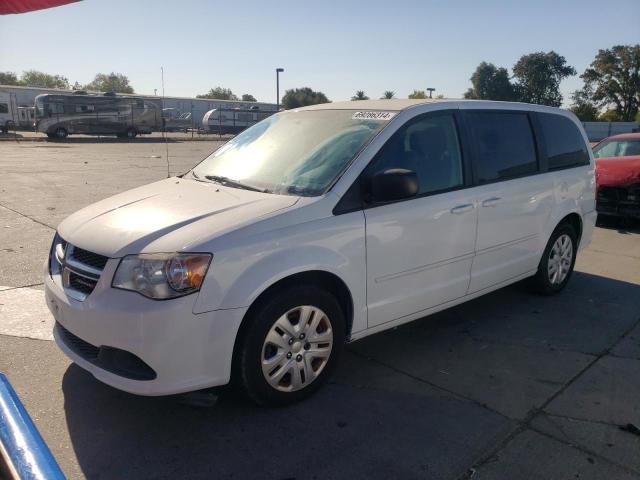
<point x="618" y="171"/>
<point x="170" y="215"/>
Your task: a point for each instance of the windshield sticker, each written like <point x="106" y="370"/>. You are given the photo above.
<point x="383" y="116"/>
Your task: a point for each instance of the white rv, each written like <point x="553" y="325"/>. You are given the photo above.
<point x="8" y="111"/>
<point x="234" y="120"/>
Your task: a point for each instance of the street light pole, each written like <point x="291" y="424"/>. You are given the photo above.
<point x="431" y="90"/>
<point x="278" y="71"/>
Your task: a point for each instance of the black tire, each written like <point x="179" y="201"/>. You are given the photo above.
<point x="61" y="133"/>
<point x="131" y="133"/>
<point x="51" y="135"/>
<point x="248" y="374"/>
<point x="541" y="281"/>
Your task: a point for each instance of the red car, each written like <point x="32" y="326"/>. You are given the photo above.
<point x="618" y="175"/>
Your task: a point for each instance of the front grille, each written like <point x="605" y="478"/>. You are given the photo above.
<point x="79" y="269"/>
<point x="622" y="201"/>
<point x="89" y="258"/>
<point x="81" y="284"/>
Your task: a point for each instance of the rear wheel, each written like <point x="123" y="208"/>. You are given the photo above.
<point x="61" y="133"/>
<point x="290" y="346"/>
<point x="131" y="133"/>
<point x="557" y="262"/>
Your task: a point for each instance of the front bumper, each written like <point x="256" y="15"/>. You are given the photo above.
<point x="186" y="351"/>
<point x="619" y="201"/>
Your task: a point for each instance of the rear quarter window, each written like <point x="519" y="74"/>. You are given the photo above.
<point x="565" y="145"/>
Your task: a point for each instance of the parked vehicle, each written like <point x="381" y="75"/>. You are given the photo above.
<point x="8" y="111"/>
<point x="233" y="120"/>
<point x="182" y="123"/>
<point x="618" y="175"/>
<point x="109" y="114"/>
<point x="317" y="226"/>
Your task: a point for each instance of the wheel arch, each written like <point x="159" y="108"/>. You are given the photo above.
<point x="328" y="280"/>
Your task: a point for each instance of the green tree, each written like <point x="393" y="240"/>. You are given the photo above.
<point x="614" y="76"/>
<point x="34" y="78"/>
<point x="490" y="83"/>
<point x="246" y="97"/>
<point x="9" y="78"/>
<point x="110" y="82"/>
<point x="418" y="95"/>
<point x="583" y="107"/>
<point x="538" y="76"/>
<point x="388" y="95"/>
<point x="610" y="116"/>
<point x="299" y="97"/>
<point x="360" y="95"/>
<point x="219" y="93"/>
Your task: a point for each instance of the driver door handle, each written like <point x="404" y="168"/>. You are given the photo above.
<point x="467" y="207"/>
<point x="491" y="202"/>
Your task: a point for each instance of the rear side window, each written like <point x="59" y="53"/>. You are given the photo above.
<point x="4" y="108"/>
<point x="504" y="145"/>
<point x="565" y="145"/>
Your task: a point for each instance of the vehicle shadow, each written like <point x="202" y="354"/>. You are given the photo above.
<point x="361" y="425"/>
<point x="621" y="225"/>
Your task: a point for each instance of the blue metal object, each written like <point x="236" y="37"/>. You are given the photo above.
<point x="21" y="446"/>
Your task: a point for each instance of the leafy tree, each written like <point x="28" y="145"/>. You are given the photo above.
<point x="490" y="83"/>
<point x="9" y="78"/>
<point x="388" y="95"/>
<point x="538" y="76"/>
<point x="583" y="107"/>
<point x="614" y="76"/>
<point x="110" y="82"/>
<point x="34" y="78"/>
<point x="418" y="94"/>
<point x="610" y="116"/>
<point x="248" y="98"/>
<point x="219" y="93"/>
<point x="299" y="97"/>
<point x="360" y="95"/>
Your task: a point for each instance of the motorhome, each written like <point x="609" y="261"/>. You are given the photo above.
<point x="59" y="115"/>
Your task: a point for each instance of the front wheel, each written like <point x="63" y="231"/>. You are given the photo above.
<point x="557" y="262"/>
<point x="61" y="133"/>
<point x="290" y="346"/>
<point x="131" y="133"/>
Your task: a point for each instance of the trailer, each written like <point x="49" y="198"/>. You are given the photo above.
<point x="8" y="111"/>
<point x="233" y="120"/>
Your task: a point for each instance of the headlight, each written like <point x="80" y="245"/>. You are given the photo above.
<point x="163" y="275"/>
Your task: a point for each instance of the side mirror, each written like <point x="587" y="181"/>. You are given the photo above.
<point x="393" y="184"/>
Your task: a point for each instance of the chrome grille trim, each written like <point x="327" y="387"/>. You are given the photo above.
<point x="71" y="267"/>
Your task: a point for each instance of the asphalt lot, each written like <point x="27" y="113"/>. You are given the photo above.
<point x="508" y="386"/>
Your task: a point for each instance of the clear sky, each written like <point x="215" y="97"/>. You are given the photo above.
<point x="337" y="47"/>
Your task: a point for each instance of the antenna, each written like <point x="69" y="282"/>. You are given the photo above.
<point x="164" y="130"/>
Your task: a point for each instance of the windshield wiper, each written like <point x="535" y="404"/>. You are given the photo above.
<point x="227" y="182"/>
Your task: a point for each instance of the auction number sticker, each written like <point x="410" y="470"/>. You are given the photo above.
<point x="383" y="116"/>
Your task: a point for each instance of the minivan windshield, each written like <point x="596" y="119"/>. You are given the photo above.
<point x="291" y="153"/>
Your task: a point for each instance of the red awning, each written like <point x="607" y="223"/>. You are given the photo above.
<point x="22" y="6"/>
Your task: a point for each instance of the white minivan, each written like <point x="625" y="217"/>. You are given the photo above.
<point x="315" y="227"/>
